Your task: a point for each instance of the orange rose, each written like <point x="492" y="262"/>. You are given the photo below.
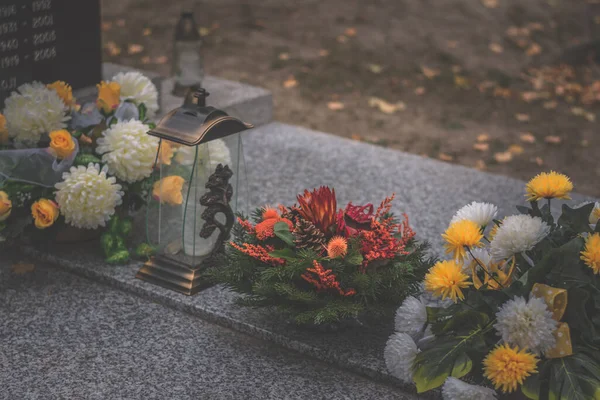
<point x="168" y="190"/>
<point x="109" y="96"/>
<point x="5" y="206"/>
<point x="3" y="130"/>
<point x="45" y="213"/>
<point x="62" y="143"/>
<point x="166" y="153"/>
<point x="64" y="91"/>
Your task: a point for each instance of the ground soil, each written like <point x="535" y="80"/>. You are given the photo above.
<point x="454" y="75"/>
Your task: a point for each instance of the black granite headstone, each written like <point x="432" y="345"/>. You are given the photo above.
<point x="49" y="40"/>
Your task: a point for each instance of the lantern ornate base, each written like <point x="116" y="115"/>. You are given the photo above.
<point x="172" y="275"/>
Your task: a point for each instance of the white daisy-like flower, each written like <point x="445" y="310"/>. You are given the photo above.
<point x="218" y="153"/>
<point x="138" y="88"/>
<point x="527" y="324"/>
<point x="87" y="197"/>
<point x="399" y="354"/>
<point x="455" y="389"/>
<point x="33" y="110"/>
<point x="411" y="316"/>
<point x="480" y="213"/>
<point x="128" y="150"/>
<point x="518" y="233"/>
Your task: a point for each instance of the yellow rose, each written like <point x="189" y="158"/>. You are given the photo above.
<point x="5" y="206"/>
<point x="3" y="130"/>
<point x="166" y="153"/>
<point x="64" y="91"/>
<point x="44" y="212"/>
<point x="109" y="96"/>
<point x="62" y="143"/>
<point x="168" y="190"/>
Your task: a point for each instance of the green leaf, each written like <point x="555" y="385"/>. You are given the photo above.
<point x="531" y="387"/>
<point x="113" y="225"/>
<point x="145" y="250"/>
<point x="286" y="254"/>
<point x="85" y="159"/>
<point x="125" y="227"/>
<point x="143" y="111"/>
<point x="151" y="125"/>
<point x="576" y="219"/>
<point x="461" y="321"/>
<point x="282" y="231"/>
<point x="120" y="257"/>
<point x="563" y="257"/>
<point x="354" y="259"/>
<point x="107" y="241"/>
<point x="568" y="382"/>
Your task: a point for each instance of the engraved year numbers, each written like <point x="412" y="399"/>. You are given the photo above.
<point x="42" y="21"/>
<point x="9" y="61"/>
<point x="8" y="11"/>
<point x="41" y="5"/>
<point x="8" y="27"/>
<point x="44" y="54"/>
<point x="8" y="84"/>
<point x="9" y="44"/>
<point x="44" y="37"/>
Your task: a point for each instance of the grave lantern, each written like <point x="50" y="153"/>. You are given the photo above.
<point x="199" y="184"/>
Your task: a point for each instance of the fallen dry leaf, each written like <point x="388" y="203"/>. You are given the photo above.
<point x="535" y="26"/>
<point x="480" y="165"/>
<point x="483" y="137"/>
<point x="375" y="68"/>
<point x="591" y="117"/>
<point x="522" y="117"/>
<point x="112" y="48"/>
<point x="529" y="96"/>
<point x="284" y="56"/>
<point x="533" y="50"/>
<point x="577" y="111"/>
<point x="481" y="146"/>
<point x="146" y="60"/>
<point x="452" y="44"/>
<point x="342" y="39"/>
<point x="386" y="107"/>
<point x="420" y="91"/>
<point x="516" y="149"/>
<point x="21" y="268"/>
<point x="490" y="3"/>
<point x="290" y="82"/>
<point x="539" y="161"/>
<point x="335" y="105"/>
<point x="496" y="48"/>
<point x="135" y="48"/>
<point x="504" y="93"/>
<point x="553" y="139"/>
<point x="461" y="82"/>
<point x="527" y="137"/>
<point x="147" y="32"/>
<point x="430" y="73"/>
<point x="503" y="157"/>
<point x="204" y="31"/>
<point x="350" y="32"/>
<point x="161" y="60"/>
<point x="445" y="157"/>
<point x="323" y="53"/>
<point x="522" y="43"/>
<point x="550" y="105"/>
<point x="356" y="137"/>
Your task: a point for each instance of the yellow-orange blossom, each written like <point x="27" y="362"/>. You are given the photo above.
<point x="548" y="185"/>
<point x="507" y="367"/>
<point x="462" y="234"/>
<point x="446" y="279"/>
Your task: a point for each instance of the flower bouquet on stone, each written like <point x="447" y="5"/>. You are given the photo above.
<point x="514" y="312"/>
<point x="84" y="166"/>
<point x="320" y="264"/>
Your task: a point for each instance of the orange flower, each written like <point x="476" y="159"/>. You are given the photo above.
<point x="45" y="213"/>
<point x="64" y="91"/>
<point x="266" y="229"/>
<point x="165" y="153"/>
<point x="109" y="96"/>
<point x="3" y="130"/>
<point x="319" y="207"/>
<point x="168" y="190"/>
<point x="337" y="247"/>
<point x="62" y="143"/>
<point x="269" y="213"/>
<point x="5" y="206"/>
<point x="326" y="280"/>
<point x="246" y="225"/>
<point x="259" y="252"/>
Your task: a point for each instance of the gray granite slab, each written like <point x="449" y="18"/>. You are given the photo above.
<point x="282" y="161"/>
<point x="64" y="337"/>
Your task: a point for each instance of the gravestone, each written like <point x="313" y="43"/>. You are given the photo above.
<point x="49" y="40"/>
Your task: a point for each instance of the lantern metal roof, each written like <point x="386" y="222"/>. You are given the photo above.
<point x="195" y="123"/>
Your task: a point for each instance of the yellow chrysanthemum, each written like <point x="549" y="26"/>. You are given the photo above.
<point x="446" y="279"/>
<point x="548" y="185"/>
<point x="462" y="234"/>
<point x="507" y="367"/>
<point x="591" y="253"/>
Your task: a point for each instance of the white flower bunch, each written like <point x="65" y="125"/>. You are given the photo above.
<point x="480" y="213"/>
<point x="139" y="89"/>
<point x="517" y="234"/>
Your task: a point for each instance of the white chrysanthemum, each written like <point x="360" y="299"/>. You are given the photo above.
<point x="128" y="150"/>
<point x="87" y="197"/>
<point x="218" y="153"/>
<point x="33" y="110"/>
<point x="480" y="213"/>
<point x="518" y="233"/>
<point x="135" y="86"/>
<point x="482" y="255"/>
<point x="527" y="324"/>
<point x="411" y="316"/>
<point x="399" y="354"/>
<point x="455" y="389"/>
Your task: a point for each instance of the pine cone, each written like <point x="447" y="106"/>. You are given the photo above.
<point x="292" y="214"/>
<point x="308" y="236"/>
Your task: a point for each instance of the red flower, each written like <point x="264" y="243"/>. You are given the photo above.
<point x="354" y="219"/>
<point x="319" y="207"/>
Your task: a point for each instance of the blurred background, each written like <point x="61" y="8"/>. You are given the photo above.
<point x="506" y="86"/>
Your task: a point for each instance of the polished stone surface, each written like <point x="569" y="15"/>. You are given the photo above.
<point x="65" y="337"/>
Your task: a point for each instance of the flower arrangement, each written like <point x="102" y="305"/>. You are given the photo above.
<point x="85" y="166"/>
<point x="514" y="312"/>
<point x="322" y="265"/>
